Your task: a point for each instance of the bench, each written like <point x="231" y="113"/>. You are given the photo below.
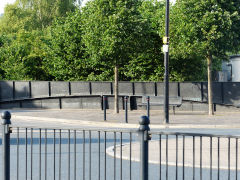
<point x="174" y="101"/>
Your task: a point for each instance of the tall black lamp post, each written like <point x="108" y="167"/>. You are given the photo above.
<point x="166" y="60"/>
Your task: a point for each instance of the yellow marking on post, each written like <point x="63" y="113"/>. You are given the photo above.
<point x="165" y="40"/>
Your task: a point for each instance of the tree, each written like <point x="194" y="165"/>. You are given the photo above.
<point x="34" y="14"/>
<point x="66" y="52"/>
<point x="45" y="11"/>
<point x="207" y="30"/>
<point x="16" y="19"/>
<point x="148" y="64"/>
<point x="25" y="23"/>
<point x="112" y="32"/>
<point x="21" y="56"/>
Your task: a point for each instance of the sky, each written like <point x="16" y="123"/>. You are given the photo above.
<point x="3" y="3"/>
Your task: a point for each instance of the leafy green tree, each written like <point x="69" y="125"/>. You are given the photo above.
<point x="205" y="29"/>
<point x="46" y="10"/>
<point x="112" y="32"/>
<point x="34" y="14"/>
<point x="66" y="54"/>
<point x="148" y="64"/>
<point x="16" y="19"/>
<point x="25" y="24"/>
<point x="21" y="57"/>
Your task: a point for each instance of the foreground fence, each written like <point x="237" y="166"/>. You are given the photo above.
<point x="86" y="154"/>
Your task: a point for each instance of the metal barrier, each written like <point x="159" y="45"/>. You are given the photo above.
<point x="38" y="153"/>
<point x="6" y="116"/>
<point x="71" y="154"/>
<point x="194" y="156"/>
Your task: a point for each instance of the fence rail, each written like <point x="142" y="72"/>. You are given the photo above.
<point x="141" y="154"/>
<point x="223" y="92"/>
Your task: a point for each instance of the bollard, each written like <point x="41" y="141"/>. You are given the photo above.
<point x="6" y="116"/>
<point x="105" y="107"/>
<point x="126" y="108"/>
<point x="148" y="107"/>
<point x="144" y="138"/>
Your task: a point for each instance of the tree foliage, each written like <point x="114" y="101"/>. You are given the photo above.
<point x="148" y="63"/>
<point x="113" y="31"/>
<point x="55" y="39"/>
<point x="207" y="29"/>
<point x="33" y="14"/>
<point x="22" y="55"/>
<point x="25" y="25"/>
<point x="66" y="54"/>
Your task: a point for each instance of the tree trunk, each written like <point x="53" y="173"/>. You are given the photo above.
<point x="116" y="105"/>
<point x="210" y="96"/>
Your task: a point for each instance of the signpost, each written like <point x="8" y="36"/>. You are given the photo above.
<point x="166" y="61"/>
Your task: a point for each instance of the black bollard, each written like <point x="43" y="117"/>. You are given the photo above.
<point x="126" y="108"/>
<point x="105" y="107"/>
<point x="148" y="107"/>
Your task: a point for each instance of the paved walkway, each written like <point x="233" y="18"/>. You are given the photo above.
<point x="154" y="153"/>
<point x="82" y="118"/>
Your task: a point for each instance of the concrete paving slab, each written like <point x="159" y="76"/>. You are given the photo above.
<point x="189" y="159"/>
<point x="95" y="117"/>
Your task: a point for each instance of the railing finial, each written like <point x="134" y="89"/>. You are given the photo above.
<point x="144" y="123"/>
<point x="6" y="116"/>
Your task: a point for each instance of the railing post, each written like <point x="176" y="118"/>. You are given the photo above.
<point x="104" y="107"/>
<point x="144" y="138"/>
<point x="6" y="116"/>
<point x="126" y="108"/>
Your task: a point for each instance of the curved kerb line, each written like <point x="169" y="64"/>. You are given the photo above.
<point x="110" y="152"/>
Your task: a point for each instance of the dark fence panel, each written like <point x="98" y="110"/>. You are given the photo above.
<point x="232" y="93"/>
<point x="101" y="88"/>
<point x="50" y="103"/>
<point x="6" y="90"/>
<point x="59" y="88"/>
<point x="39" y="89"/>
<point x="10" y="105"/>
<point x="110" y="102"/>
<point x="204" y="90"/>
<point x="125" y="88"/>
<point x="80" y="88"/>
<point x="217" y="93"/>
<point x="81" y="103"/>
<point x="223" y="92"/>
<point x="31" y="104"/>
<point x="191" y="91"/>
<point x="22" y="90"/>
<point x="173" y="89"/>
<point x="144" y="88"/>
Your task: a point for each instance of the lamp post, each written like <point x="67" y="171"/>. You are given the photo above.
<point x="166" y="60"/>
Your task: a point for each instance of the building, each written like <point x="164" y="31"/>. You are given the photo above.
<point x="230" y="70"/>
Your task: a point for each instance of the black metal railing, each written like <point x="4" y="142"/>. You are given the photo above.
<point x="101" y="154"/>
<point x="194" y="156"/>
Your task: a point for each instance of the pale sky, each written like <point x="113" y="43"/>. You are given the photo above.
<point x="3" y="3"/>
